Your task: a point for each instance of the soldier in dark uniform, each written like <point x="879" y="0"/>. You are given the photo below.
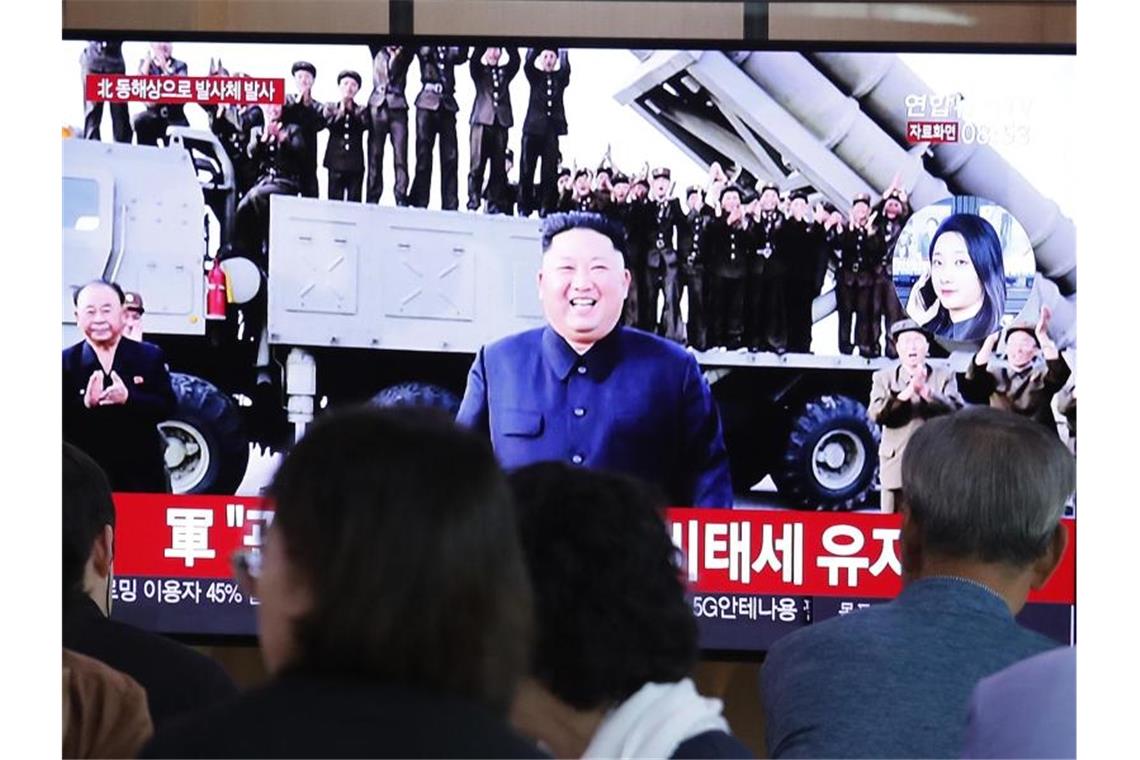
<point x="344" y="154"/>
<point x="639" y="230"/>
<point x="232" y="125"/>
<point x="862" y="252"/>
<point x="491" y="119"/>
<point x="691" y="246"/>
<point x="667" y="217"/>
<point x="308" y="114"/>
<point x="505" y="204"/>
<point x="151" y="124"/>
<point x="890" y="218"/>
<point x="103" y="57"/>
<point x="730" y="248"/>
<point x="279" y="153"/>
<point x="548" y="72"/>
<point x="803" y="250"/>
<point x="581" y="195"/>
<point x="603" y="188"/>
<point x="435" y="115"/>
<point x="833" y="225"/>
<point x="388" y="110"/>
<point x="620" y="209"/>
<point x="767" y="277"/>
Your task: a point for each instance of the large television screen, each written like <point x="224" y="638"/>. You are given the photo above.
<point x="297" y="227"/>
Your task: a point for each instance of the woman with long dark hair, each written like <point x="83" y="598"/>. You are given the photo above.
<point x="962" y="298"/>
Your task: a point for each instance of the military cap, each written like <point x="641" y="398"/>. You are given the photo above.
<point x="641" y="181"/>
<point x="1026" y="327"/>
<point x="694" y="189"/>
<point x="733" y="188"/>
<point x="304" y="66"/>
<point x="770" y="186"/>
<point x="861" y="198"/>
<point x="582" y="171"/>
<point x="133" y="302"/>
<point x="907" y="325"/>
<point x="802" y="194"/>
<point x="620" y="179"/>
<point x="604" y="169"/>
<point x="350" y="74"/>
<point x="661" y="171"/>
<point x="563" y="171"/>
<point x="895" y="194"/>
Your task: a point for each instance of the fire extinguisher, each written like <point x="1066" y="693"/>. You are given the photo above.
<point x="216" y="288"/>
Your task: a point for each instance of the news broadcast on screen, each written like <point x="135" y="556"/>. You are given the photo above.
<point x="818" y="251"/>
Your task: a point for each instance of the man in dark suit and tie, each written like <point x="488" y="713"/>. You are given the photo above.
<point x="548" y="72"/>
<point x="115" y="393"/>
<point x="491" y="118"/>
<point x="388" y="110"/>
<point x="435" y="115"/>
<point x="344" y="154"/>
<point x="587" y="391"/>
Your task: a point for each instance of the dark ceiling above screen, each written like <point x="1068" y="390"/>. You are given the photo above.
<point x="1049" y="23"/>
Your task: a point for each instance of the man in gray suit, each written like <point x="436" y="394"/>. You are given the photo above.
<point x="983" y="494"/>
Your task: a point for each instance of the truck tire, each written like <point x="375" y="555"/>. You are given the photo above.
<point x="418" y="394"/>
<point x="207" y="448"/>
<point x="831" y="457"/>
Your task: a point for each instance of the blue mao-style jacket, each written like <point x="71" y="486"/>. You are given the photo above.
<point x="633" y="403"/>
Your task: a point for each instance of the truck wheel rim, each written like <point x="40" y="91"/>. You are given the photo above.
<point x="837" y="460"/>
<point x="187" y="455"/>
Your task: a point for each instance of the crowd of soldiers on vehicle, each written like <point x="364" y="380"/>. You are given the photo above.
<point x="731" y="265"/>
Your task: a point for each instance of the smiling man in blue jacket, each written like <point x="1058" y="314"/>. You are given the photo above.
<point x="586" y="391"/>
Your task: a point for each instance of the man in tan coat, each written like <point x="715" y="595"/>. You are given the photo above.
<point x="903" y="396"/>
<point x="1026" y="379"/>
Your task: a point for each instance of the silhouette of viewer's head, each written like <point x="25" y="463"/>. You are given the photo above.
<point x="393" y="555"/>
<point x="88" y="528"/>
<point x="983" y="492"/>
<point x="610" y="606"/>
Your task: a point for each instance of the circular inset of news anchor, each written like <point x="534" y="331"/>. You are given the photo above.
<point x="964" y="268"/>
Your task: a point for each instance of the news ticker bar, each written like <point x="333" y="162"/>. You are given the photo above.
<point x="750" y="552"/>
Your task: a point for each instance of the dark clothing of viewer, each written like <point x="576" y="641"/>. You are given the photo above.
<point x="176" y="678"/>
<point x="305" y="715"/>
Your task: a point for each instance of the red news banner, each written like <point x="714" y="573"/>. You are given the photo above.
<point x="725" y="551"/>
<point x="120" y="88"/>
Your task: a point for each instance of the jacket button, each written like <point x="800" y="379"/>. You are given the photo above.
<point x="577" y="459"/>
<point x="579" y="412"/>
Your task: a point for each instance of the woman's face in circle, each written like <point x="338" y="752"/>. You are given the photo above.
<point x="953" y="275"/>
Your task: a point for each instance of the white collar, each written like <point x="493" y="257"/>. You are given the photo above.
<point x="655" y="721"/>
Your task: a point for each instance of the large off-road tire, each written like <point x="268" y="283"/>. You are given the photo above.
<point x="418" y="394"/>
<point x="207" y="448"/>
<point x="831" y="458"/>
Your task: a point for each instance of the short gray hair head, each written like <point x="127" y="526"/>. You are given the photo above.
<point x="987" y="484"/>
